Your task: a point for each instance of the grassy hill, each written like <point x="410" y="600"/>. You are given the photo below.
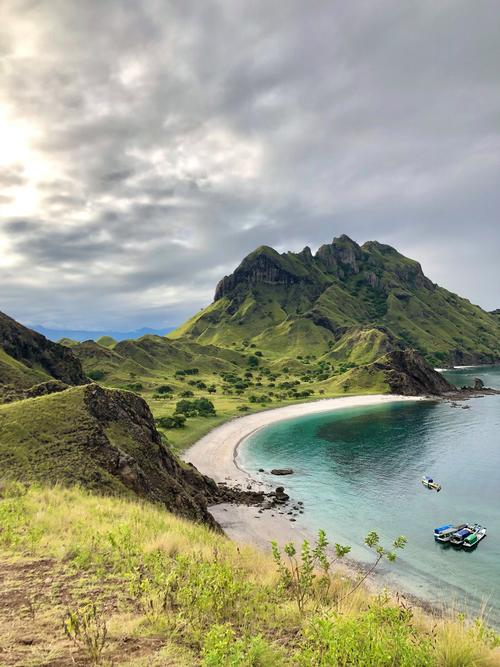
<point x="289" y="303"/>
<point x="28" y="358"/>
<point x="104" y="440"/>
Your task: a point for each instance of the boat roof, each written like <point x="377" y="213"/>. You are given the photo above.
<point x="445" y="527"/>
<point x="463" y="531"/>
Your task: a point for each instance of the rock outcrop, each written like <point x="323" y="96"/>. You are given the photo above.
<point x="265" y="265"/>
<point x="407" y="373"/>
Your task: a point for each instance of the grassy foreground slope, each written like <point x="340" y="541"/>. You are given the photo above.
<point x="149" y="589"/>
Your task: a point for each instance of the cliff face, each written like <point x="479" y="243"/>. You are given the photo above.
<point x="141" y="461"/>
<point x="264" y="266"/>
<point x="408" y="374"/>
<point x="29" y="353"/>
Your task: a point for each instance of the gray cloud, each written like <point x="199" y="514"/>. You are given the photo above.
<point x="156" y="143"/>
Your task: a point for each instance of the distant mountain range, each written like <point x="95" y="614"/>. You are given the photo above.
<point x="81" y="335"/>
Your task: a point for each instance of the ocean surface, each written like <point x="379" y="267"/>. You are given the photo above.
<point x="360" y="469"/>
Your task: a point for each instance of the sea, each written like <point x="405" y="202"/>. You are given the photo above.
<point x="359" y="470"/>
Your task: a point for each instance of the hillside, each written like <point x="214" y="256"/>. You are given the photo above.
<point x="291" y="303"/>
<point x="103" y="440"/>
<point x="27" y="358"/>
<point x="148" y="589"/>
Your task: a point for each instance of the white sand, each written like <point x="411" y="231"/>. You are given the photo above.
<point x="216" y="454"/>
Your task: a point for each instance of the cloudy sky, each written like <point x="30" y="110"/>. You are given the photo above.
<point x="146" y="147"/>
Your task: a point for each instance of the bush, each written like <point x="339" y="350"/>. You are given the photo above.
<point x="164" y="389"/>
<point x="134" y="386"/>
<point x="96" y="375"/>
<point x="187" y="394"/>
<point x="175" y="421"/>
<point x="253" y="361"/>
<point x="382" y="636"/>
<point x="200" y="407"/>
<point x="221" y="647"/>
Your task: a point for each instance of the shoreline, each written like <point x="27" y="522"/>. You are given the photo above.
<point x="215" y="454"/>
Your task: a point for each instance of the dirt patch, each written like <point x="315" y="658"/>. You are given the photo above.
<point x="35" y="595"/>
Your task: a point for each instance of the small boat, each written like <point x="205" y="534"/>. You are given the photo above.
<point x="473" y="540"/>
<point x="431" y="484"/>
<point x="458" y="538"/>
<point x="444" y="533"/>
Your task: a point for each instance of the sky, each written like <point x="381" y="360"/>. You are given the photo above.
<point x="147" y="147"/>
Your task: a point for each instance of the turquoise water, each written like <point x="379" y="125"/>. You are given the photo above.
<point x="359" y="469"/>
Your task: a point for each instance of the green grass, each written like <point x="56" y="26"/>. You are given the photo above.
<point x="174" y="593"/>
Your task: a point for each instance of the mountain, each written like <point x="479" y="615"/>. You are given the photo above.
<point x="103" y="440"/>
<point x="79" y="335"/>
<point x="27" y="358"/>
<point x="329" y="303"/>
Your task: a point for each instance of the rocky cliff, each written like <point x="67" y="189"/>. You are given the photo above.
<point x="27" y="357"/>
<point x="408" y="374"/>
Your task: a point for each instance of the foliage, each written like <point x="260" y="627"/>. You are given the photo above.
<point x="175" y="421"/>
<point x="201" y="407"/>
<point x="86" y="627"/>
<point x="96" y="375"/>
<point x="383" y="636"/>
<point x="222" y="647"/>
<point x="164" y="389"/>
<point x="299" y="574"/>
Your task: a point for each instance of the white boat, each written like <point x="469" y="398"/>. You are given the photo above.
<point x="473" y="540"/>
<point x="431" y="484"/>
<point x="444" y="533"/>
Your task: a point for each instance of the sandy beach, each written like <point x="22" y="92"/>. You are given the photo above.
<point x="216" y="455"/>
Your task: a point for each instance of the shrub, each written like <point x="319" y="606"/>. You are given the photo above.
<point x="187" y="394"/>
<point x="382" y="636"/>
<point x="253" y="361"/>
<point x="201" y="407"/>
<point x="86" y="627"/>
<point x="96" y="375"/>
<point x="175" y="421"/>
<point x="221" y="647"/>
<point x="165" y="389"/>
<point x="134" y="386"/>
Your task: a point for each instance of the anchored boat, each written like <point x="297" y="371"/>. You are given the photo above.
<point x="444" y="533"/>
<point x="431" y="484"/>
<point x="473" y="540"/>
<point x="458" y="538"/>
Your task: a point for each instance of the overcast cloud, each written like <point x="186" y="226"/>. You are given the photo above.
<point x="146" y="147"/>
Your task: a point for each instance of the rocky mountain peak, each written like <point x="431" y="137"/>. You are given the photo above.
<point x="264" y="265"/>
<point x="342" y="256"/>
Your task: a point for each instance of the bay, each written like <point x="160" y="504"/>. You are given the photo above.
<point x="359" y="469"/>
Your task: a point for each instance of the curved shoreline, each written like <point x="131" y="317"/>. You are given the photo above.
<point x="215" y="454"/>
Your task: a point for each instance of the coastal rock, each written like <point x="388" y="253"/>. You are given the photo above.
<point x="407" y="373"/>
<point x="280" y="496"/>
<point x="478" y="384"/>
<point x="282" y="471"/>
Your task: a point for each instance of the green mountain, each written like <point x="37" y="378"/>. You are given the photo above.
<point x="346" y="301"/>
<point x="27" y="358"/>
